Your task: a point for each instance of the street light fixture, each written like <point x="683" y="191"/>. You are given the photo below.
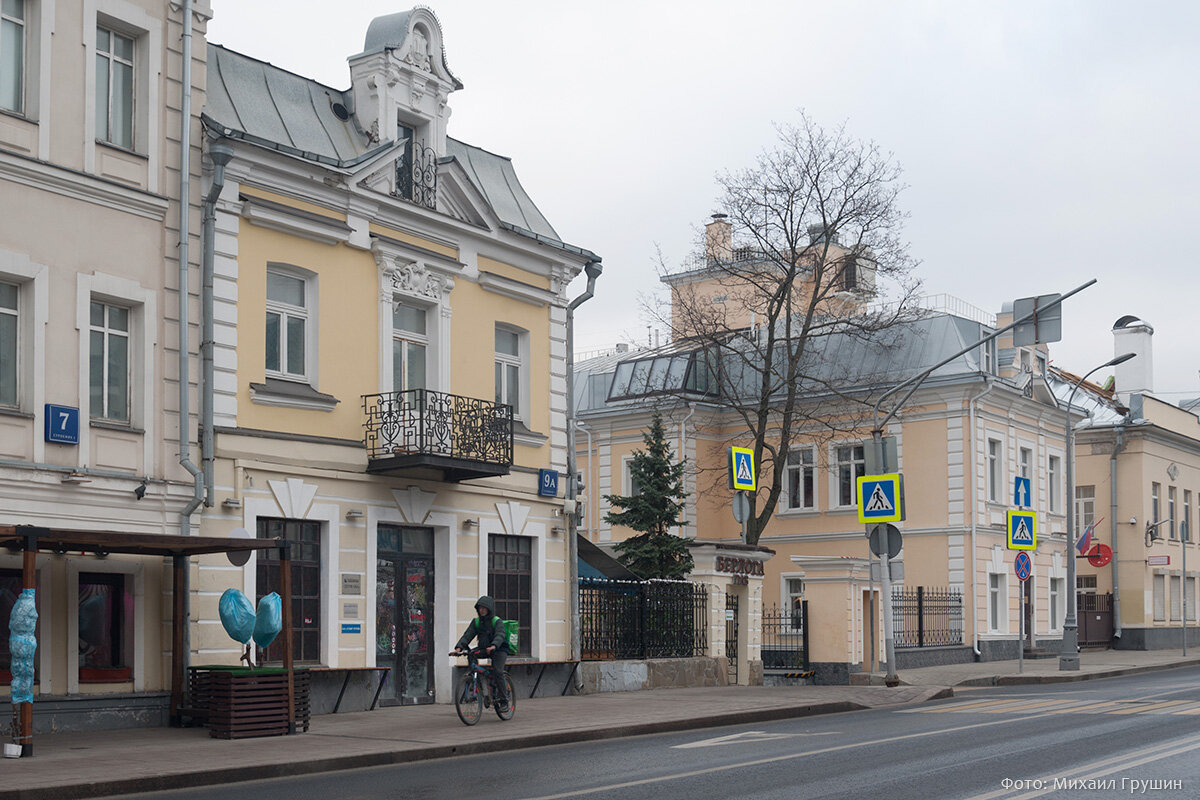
<point x="1068" y="657"/>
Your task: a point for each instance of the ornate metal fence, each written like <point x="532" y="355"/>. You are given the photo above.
<point x="436" y="423"/>
<point x="927" y="617"/>
<point x="785" y="637"/>
<point x="642" y="619"/>
<point x="416" y="175"/>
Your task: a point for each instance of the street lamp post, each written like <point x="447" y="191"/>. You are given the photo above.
<point x="1068" y="657"/>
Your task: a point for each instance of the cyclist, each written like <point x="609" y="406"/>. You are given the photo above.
<point x="493" y="643"/>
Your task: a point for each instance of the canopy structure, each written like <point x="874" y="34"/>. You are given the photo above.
<point x="33" y="540"/>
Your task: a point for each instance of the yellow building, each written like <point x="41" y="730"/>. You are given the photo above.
<point x="388" y="365"/>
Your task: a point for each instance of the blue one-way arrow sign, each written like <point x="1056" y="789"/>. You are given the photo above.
<point x="1021" y="493"/>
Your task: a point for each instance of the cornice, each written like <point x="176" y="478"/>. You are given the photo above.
<point x="81" y="186"/>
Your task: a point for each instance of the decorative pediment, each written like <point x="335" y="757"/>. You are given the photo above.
<point x="458" y="197"/>
<point x="404" y="272"/>
<point x="414" y="503"/>
<point x="513" y="516"/>
<point x="294" y="496"/>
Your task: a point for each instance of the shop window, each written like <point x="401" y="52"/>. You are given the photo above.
<point x="305" y="538"/>
<point x="510" y="582"/>
<point x="105" y="628"/>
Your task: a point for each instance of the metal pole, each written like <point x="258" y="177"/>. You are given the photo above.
<point x="885" y="583"/>
<point x="745" y="518"/>
<point x="1021" y="631"/>
<point x="1183" y="584"/>
<point x="285" y="585"/>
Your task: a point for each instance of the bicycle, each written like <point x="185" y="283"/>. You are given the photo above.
<point x="475" y="690"/>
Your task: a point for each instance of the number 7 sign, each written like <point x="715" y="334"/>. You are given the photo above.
<point x="62" y="424"/>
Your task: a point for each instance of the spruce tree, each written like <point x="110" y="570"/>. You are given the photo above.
<point x="652" y="510"/>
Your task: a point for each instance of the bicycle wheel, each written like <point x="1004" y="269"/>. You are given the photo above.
<point x="468" y="700"/>
<point x="512" y="700"/>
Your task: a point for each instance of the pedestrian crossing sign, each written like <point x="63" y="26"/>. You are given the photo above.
<point x="1022" y="530"/>
<point x="741" y="470"/>
<point x="881" y="498"/>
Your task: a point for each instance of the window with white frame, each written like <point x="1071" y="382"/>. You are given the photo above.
<point x="12" y="55"/>
<point x="1171" y="511"/>
<point x="9" y="343"/>
<point x="109" y="366"/>
<point x="997" y="602"/>
<point x="1026" y="362"/>
<point x="1085" y="584"/>
<point x="995" y="467"/>
<point x="794" y="595"/>
<point x="1053" y="483"/>
<point x="1085" y="508"/>
<point x="288" y="318"/>
<point x="851" y="465"/>
<point x="1190" y="599"/>
<point x="1057" y="610"/>
<point x="801" y="478"/>
<point x="510" y="369"/>
<point x="1041" y="363"/>
<point x="1155" y="491"/>
<point x="1175" y="601"/>
<point x="114" y="87"/>
<point x="989" y="357"/>
<point x="1185" y="524"/>
<point x="630" y="485"/>
<point x="410" y="344"/>
<point x="1160" y="598"/>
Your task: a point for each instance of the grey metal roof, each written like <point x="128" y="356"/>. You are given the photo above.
<point x="495" y="178"/>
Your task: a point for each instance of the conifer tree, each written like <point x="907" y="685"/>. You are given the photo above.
<point x="652" y="510"/>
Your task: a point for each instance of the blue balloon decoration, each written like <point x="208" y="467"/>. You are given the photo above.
<point x="237" y="615"/>
<point x="269" y="621"/>
<point x="22" y="623"/>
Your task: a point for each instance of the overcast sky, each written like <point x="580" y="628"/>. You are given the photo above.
<point x="1043" y="143"/>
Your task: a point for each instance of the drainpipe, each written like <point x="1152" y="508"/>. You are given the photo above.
<point x="592" y="269"/>
<point x="1118" y="446"/>
<point x="682" y="439"/>
<point x="974" y="518"/>
<point x="587" y="522"/>
<point x="221" y="153"/>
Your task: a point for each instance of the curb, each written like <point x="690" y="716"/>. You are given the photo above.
<point x="1072" y="677"/>
<point x="266" y="771"/>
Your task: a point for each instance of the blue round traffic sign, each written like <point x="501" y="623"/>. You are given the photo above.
<point x="1023" y="566"/>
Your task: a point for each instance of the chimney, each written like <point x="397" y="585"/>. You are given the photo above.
<point x="718" y="240"/>
<point x="1135" y="376"/>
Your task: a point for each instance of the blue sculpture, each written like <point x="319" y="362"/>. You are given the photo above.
<point x="22" y="644"/>
<point x="269" y="620"/>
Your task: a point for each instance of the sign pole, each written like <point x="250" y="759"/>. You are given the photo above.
<point x="1021" y="630"/>
<point x="1183" y="585"/>
<point x="885" y="583"/>
<point x="745" y="519"/>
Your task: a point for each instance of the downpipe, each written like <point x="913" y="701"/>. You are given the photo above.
<point x="592" y="269"/>
<point x="1118" y="446"/>
<point x="221" y="153"/>
<point x="971" y="417"/>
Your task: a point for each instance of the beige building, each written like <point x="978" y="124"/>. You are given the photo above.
<point x="90" y="154"/>
<point x="388" y="365"/>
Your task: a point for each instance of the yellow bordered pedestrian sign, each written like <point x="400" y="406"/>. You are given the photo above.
<point x="1022" y="530"/>
<point x="881" y="498"/>
<point x="742" y="476"/>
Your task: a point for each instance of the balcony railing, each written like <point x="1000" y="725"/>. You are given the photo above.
<point x="463" y="436"/>
<point x="416" y="175"/>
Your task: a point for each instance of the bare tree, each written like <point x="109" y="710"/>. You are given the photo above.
<point x="789" y="283"/>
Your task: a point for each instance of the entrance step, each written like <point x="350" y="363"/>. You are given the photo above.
<point x="1040" y="652"/>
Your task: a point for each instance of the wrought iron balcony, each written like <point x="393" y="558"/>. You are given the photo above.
<point x="421" y="429"/>
<point x="416" y="175"/>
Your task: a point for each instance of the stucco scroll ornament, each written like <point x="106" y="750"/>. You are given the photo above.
<point x="414" y="279"/>
<point x="418" y="52"/>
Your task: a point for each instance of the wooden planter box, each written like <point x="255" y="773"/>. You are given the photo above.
<point x="239" y="703"/>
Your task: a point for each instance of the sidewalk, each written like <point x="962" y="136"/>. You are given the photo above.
<point x="71" y="765"/>
<point x="74" y="765"/>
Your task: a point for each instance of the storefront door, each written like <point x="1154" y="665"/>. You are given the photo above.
<point x="404" y="613"/>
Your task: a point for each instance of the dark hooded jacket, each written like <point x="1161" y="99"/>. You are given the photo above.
<point x="490" y="634"/>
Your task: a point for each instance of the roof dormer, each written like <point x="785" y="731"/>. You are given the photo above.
<point x="400" y="81"/>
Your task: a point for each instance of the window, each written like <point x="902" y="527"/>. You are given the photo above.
<point x="1026" y="458"/>
<point x="994" y="470"/>
<point x="510" y="579"/>
<point x="508" y="369"/>
<point x="1171" y="511"/>
<point x="996" y="598"/>
<point x="1155" y="489"/>
<point x="801" y="478"/>
<point x="287" y="325"/>
<point x="631" y="486"/>
<point x="1057" y="586"/>
<point x="1185" y="525"/>
<point x="105" y="627"/>
<point x="9" y="326"/>
<point x="109" y="365"/>
<point x="12" y="55"/>
<point x="850" y="275"/>
<point x="1190" y="599"/>
<point x="1041" y="363"/>
<point x="851" y="465"/>
<point x="1175" y="601"/>
<point x="1085" y="583"/>
<point x="1026" y="362"/>
<point x="1160" y="598"/>
<point x="795" y="602"/>
<point x="306" y="585"/>
<point x="114" y="88"/>
<point x="989" y="357"/>
<point x="1053" y="471"/>
<point x="410" y="343"/>
<point x="1085" y="508"/>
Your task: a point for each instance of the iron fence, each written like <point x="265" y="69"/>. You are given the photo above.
<point x="642" y="619"/>
<point x="416" y="175"/>
<point x="785" y="637"/>
<point x="435" y="423"/>
<point x="927" y="617"/>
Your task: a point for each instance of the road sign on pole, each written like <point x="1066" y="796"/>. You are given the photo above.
<point x="1046" y="326"/>
<point x="1021" y="494"/>
<point x="1023" y="566"/>
<point x="881" y="498"/>
<point x="1022" y="530"/>
<point x="887" y="537"/>
<point x="742" y="476"/>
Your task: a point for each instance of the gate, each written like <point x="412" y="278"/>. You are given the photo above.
<point x="1095" y="615"/>
<point x="731" y="635"/>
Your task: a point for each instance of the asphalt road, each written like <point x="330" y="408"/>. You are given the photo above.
<point x="987" y="744"/>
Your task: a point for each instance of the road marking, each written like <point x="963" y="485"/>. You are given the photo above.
<point x="954" y="707"/>
<point x="776" y="759"/>
<point x="1151" y="707"/>
<point x="1099" y="769"/>
<point x="746" y="736"/>
<point x="1024" y="706"/>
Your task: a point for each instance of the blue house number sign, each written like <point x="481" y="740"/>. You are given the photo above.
<point x="62" y="424"/>
<point x="547" y="483"/>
